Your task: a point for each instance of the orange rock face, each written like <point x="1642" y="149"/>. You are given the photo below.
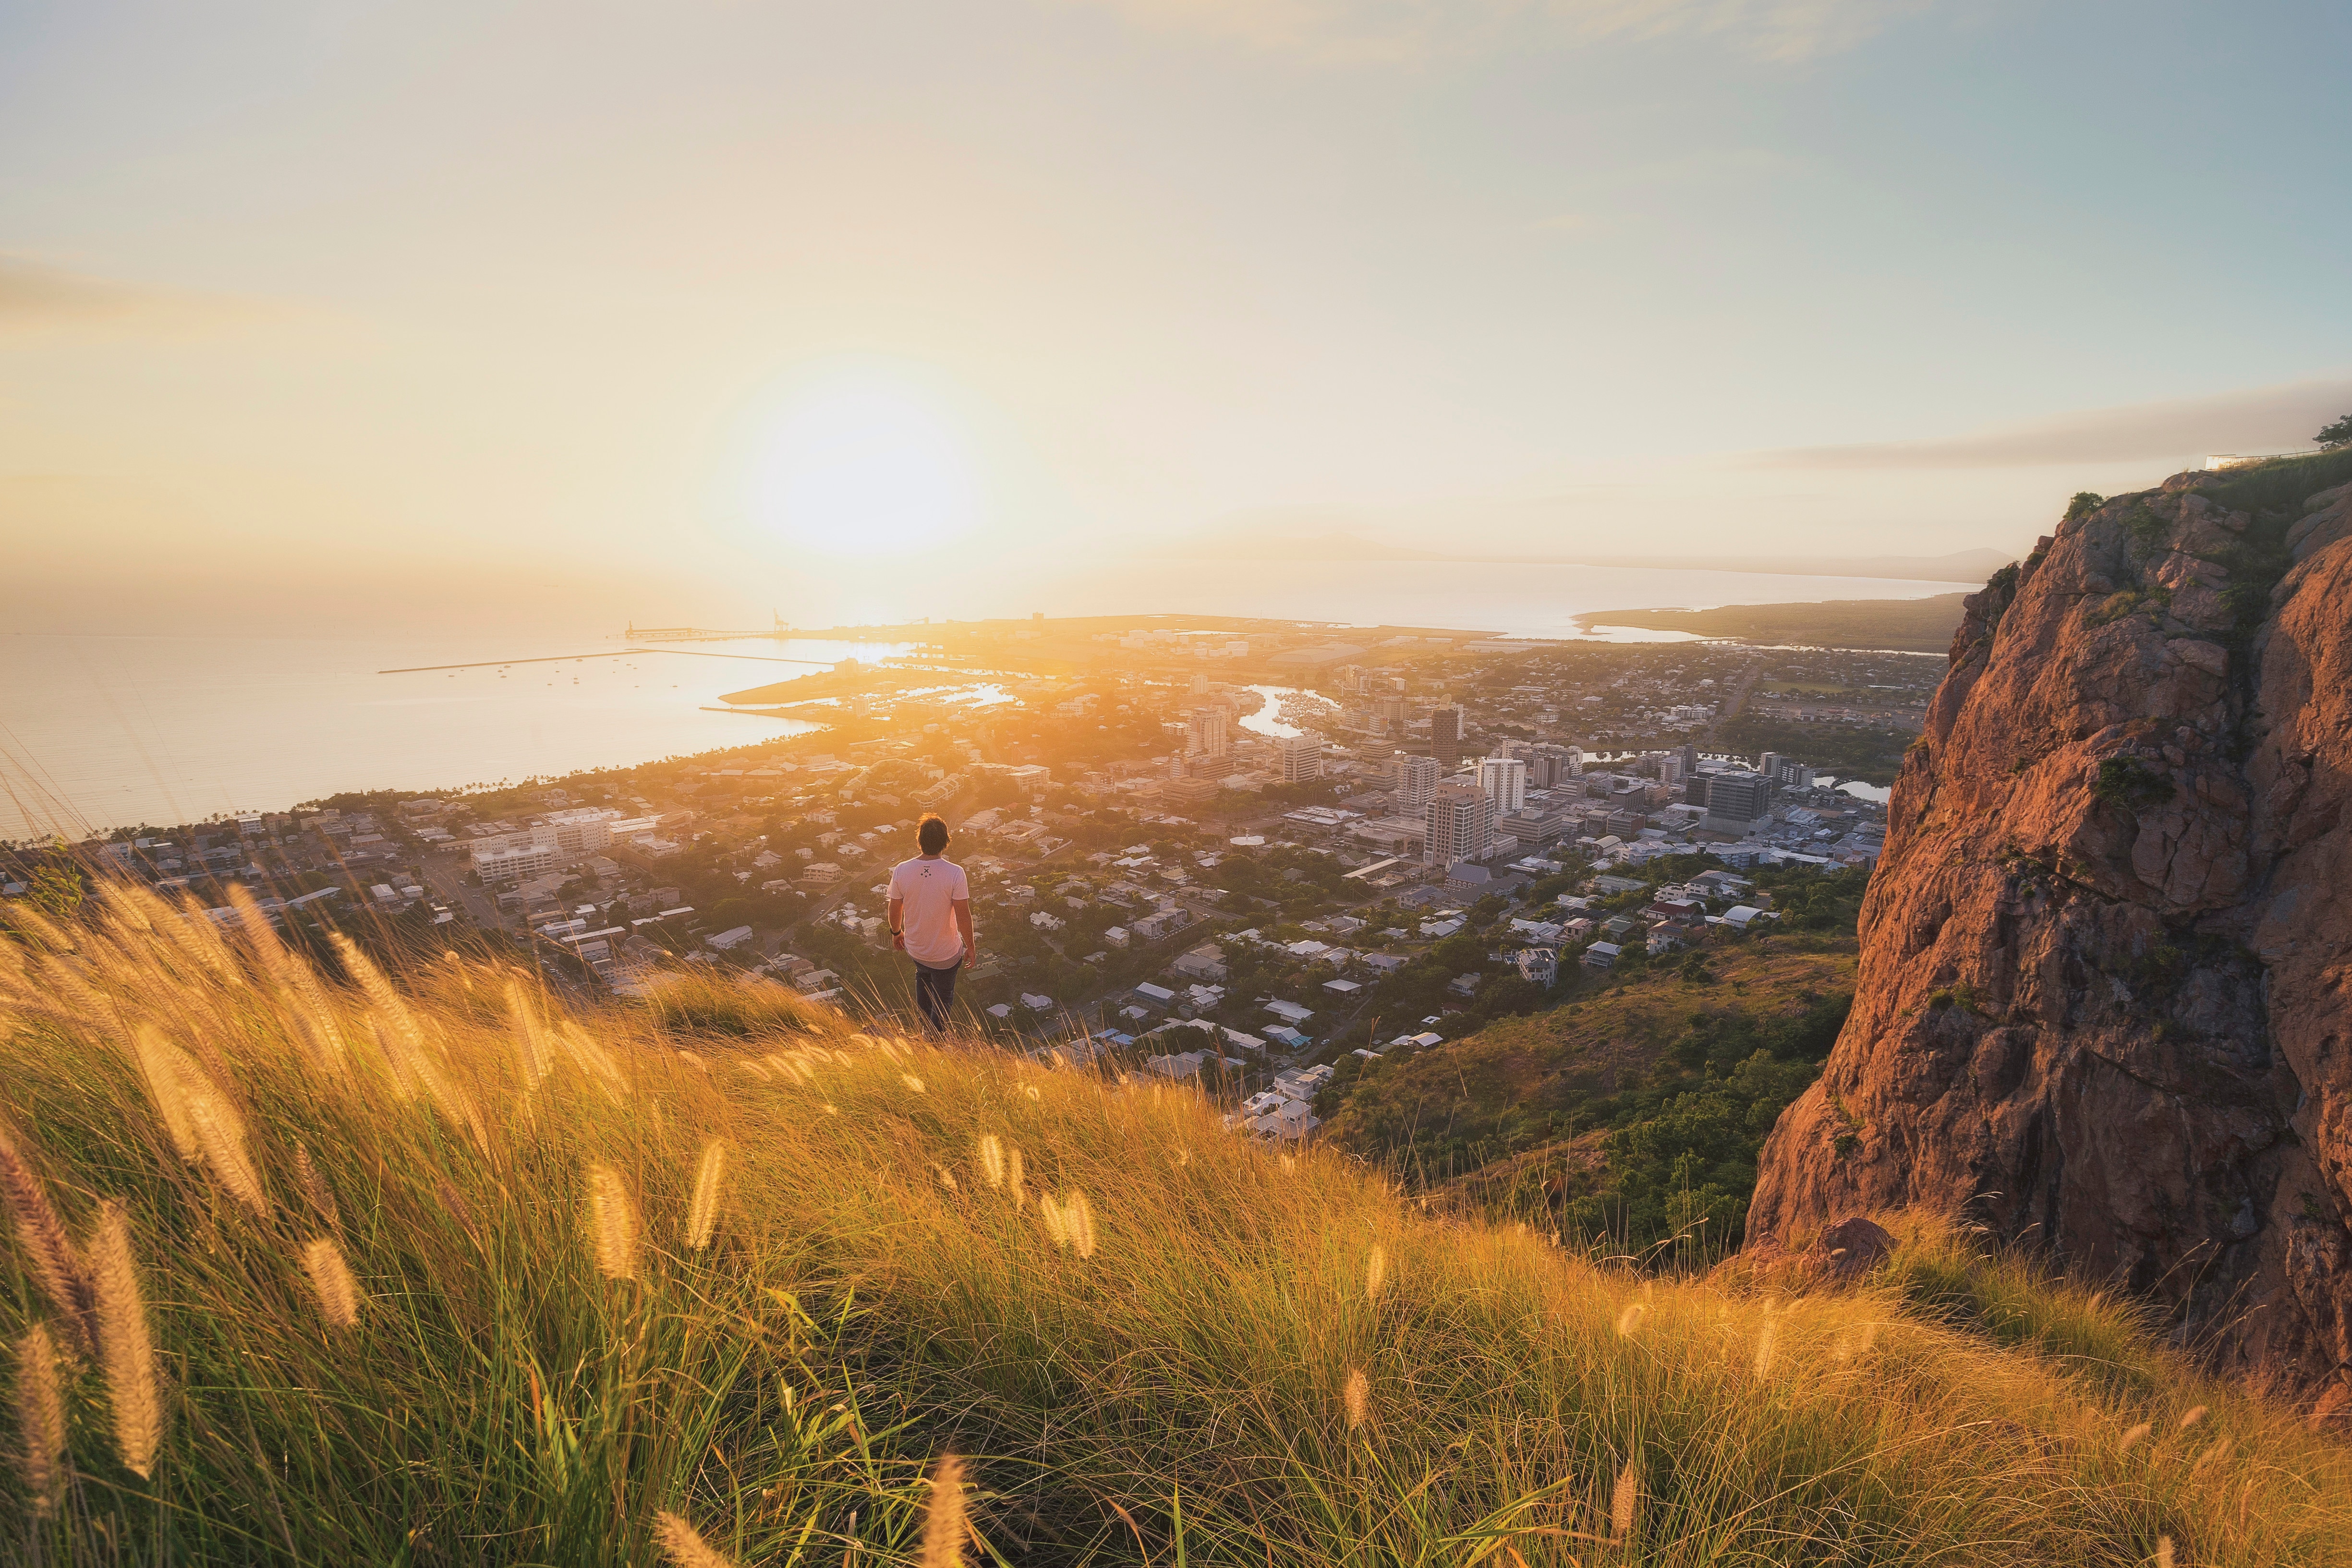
<point x="2106" y="958"/>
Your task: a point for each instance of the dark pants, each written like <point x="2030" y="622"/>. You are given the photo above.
<point x="935" y="992"/>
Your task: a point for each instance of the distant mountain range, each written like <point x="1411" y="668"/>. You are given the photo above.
<point x="1969" y="566"/>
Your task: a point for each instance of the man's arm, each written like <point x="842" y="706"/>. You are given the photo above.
<point x="898" y="926"/>
<point x="963" y="923"/>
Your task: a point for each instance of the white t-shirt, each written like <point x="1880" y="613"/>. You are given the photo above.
<point x="929" y="889"/>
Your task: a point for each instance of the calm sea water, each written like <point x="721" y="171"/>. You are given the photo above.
<point x="104" y="731"/>
<point x="98" y="732"/>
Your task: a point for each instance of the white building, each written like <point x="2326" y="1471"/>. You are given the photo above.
<point x="1302" y="757"/>
<point x="1461" y="825"/>
<point x="1210" y="736"/>
<point x="511" y="857"/>
<point x="1505" y="780"/>
<point x="586" y="830"/>
<point x="1416" y="780"/>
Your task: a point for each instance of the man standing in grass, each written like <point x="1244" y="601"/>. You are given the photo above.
<point x="930" y="920"/>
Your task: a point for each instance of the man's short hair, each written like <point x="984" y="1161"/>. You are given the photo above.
<point x="931" y="833"/>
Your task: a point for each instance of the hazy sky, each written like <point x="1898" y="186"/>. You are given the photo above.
<point x="347" y="312"/>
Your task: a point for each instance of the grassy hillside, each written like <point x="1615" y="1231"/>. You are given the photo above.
<point x="1625" y="1118"/>
<point x="332" y="1268"/>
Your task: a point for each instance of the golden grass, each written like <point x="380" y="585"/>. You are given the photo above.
<point x="945" y="1523"/>
<point x="124" y="1345"/>
<point x="55" y="1262"/>
<point x="1188" y="1348"/>
<point x="702" y="1215"/>
<point x="40" y="1419"/>
<point x="613" y="1224"/>
<point x="684" y="1545"/>
<point x="330" y="1279"/>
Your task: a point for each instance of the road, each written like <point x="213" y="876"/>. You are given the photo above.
<point x="445" y="873"/>
<point x="1739" y="698"/>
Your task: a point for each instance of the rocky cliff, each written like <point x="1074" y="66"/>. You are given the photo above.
<point x="2102" y="1001"/>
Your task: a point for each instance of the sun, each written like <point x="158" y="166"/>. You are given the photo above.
<point x="864" y="465"/>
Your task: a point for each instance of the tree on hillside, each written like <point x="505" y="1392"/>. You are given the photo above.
<point x="2337" y="434"/>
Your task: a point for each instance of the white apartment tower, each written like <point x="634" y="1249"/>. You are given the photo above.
<point x="1416" y="779"/>
<point x="1302" y="757"/>
<point x="1461" y="825"/>
<point x="1504" y="781"/>
<point x="1210" y="737"/>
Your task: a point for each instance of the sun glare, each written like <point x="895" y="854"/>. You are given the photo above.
<point x="864" y="467"/>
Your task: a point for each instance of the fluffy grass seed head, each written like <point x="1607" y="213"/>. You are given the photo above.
<point x="2190" y="1417"/>
<point x="1767" y="1341"/>
<point x="2164" y="1551"/>
<point x="911" y="1082"/>
<point x="1050" y="1212"/>
<point x="331" y="1279"/>
<point x="2132" y="1436"/>
<point x="611" y="1224"/>
<point x="57" y="1266"/>
<point x="125" y="1349"/>
<point x="684" y="1545"/>
<point x="992" y="1160"/>
<point x="1631" y="1318"/>
<point x="1376" y="1272"/>
<point x="159" y="1064"/>
<point x="1357" y="1398"/>
<point x="1078" y="1216"/>
<point x="1624" y="1500"/>
<point x="220" y="1133"/>
<point x="702" y="1215"/>
<point x="314" y="1186"/>
<point x="41" y="1418"/>
<point x="945" y="1521"/>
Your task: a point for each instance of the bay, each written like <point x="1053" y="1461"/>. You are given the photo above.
<point x="100" y="732"/>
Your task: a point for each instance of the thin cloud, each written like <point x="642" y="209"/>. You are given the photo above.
<point x="2263" y="419"/>
<point x="36" y="297"/>
<point x="1397" y="31"/>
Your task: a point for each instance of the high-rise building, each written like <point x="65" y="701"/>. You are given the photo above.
<point x="1461" y="825"/>
<point x="1505" y="780"/>
<point x="1390" y="711"/>
<point x="1209" y="735"/>
<point x="1302" y="757"/>
<point x="1769" y="765"/>
<point x="1734" y="801"/>
<point x="1695" y="788"/>
<point x="1445" y="736"/>
<point x="1414" y="780"/>
<point x="1690" y="758"/>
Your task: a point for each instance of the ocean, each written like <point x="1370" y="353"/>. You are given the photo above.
<point x="99" y="732"/>
<point x="105" y="731"/>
